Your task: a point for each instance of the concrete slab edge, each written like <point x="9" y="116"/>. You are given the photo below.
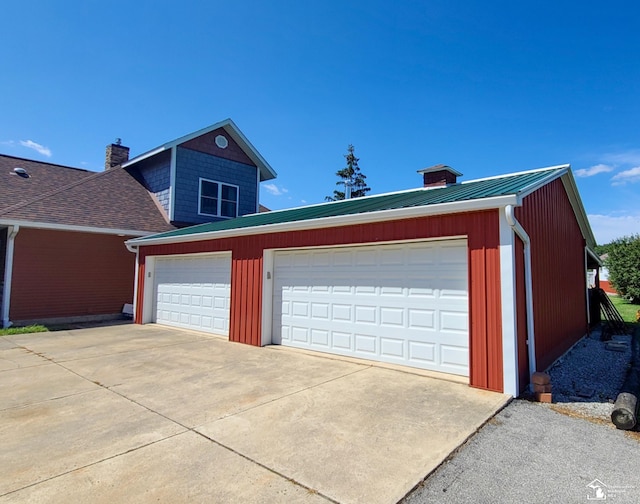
<point x="455" y="451"/>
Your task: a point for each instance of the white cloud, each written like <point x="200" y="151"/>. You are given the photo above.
<point x="609" y="227"/>
<point x="631" y="175"/>
<point x="275" y="190"/>
<point x="30" y="144"/>
<point x="630" y="157"/>
<point x="8" y="142"/>
<point x="594" y="170"/>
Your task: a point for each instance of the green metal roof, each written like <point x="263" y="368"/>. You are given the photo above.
<point x="472" y="190"/>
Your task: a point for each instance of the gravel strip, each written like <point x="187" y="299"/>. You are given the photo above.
<point x="588" y="378"/>
<point x="563" y="452"/>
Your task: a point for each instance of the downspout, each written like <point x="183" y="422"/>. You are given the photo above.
<point x="134" y="249"/>
<point x="8" y="273"/>
<point x="519" y="230"/>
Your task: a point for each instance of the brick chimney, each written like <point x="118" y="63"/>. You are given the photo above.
<point x="116" y="155"/>
<point x="439" y="176"/>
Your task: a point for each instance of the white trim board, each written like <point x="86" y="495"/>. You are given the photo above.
<point x="71" y="227"/>
<point x="508" y="304"/>
<point x="266" y="171"/>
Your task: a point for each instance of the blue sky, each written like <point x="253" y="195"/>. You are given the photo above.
<point x="485" y="87"/>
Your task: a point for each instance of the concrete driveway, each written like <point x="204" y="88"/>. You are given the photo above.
<point x="151" y="414"/>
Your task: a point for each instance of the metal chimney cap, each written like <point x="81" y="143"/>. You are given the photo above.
<point x="440" y="167"/>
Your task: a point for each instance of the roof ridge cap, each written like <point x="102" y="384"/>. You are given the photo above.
<point x="368" y="196"/>
<point x="524" y="172"/>
<point x="47" y="163"/>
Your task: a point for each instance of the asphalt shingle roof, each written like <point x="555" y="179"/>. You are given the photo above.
<point x="43" y="178"/>
<point x="55" y="194"/>
<point x="512" y="184"/>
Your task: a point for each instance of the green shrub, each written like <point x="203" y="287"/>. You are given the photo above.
<point x="623" y="264"/>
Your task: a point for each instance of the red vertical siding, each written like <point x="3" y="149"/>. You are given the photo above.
<point x="69" y="274"/>
<point x="485" y="309"/>
<point x="246" y="288"/>
<point x="480" y="228"/>
<point x="558" y="271"/>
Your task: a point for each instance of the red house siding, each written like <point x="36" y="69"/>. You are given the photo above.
<point x="67" y="274"/>
<point x="558" y="271"/>
<point x="606" y="286"/>
<point x="481" y="229"/>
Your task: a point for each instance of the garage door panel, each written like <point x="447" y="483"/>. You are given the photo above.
<point x="320" y="311"/>
<point x="193" y="292"/>
<point x="393" y="348"/>
<point x="454" y="356"/>
<point x="422" y="352"/>
<point x="404" y="304"/>
<point x="366" y="315"/>
<point x="320" y="337"/>
<point x="367" y="344"/>
<point x="422" y="319"/>
<point x="341" y="340"/>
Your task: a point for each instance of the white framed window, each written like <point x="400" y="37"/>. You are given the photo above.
<point x="217" y="199"/>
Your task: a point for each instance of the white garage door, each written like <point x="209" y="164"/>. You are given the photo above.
<point x="404" y="304"/>
<point x="194" y="292"/>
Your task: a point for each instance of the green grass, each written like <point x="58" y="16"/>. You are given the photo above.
<point x="627" y="309"/>
<point x="23" y="330"/>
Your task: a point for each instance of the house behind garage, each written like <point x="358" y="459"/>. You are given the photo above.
<point x="457" y="278"/>
<point x="62" y="229"/>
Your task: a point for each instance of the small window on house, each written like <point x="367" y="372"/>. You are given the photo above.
<point x="218" y="199"/>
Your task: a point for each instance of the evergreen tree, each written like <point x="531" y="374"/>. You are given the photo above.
<point x="352" y="176"/>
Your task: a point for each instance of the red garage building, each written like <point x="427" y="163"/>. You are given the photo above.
<point x="457" y="278"/>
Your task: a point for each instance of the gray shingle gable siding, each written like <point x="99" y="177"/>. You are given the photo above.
<point x="156" y="173"/>
<point x="192" y="165"/>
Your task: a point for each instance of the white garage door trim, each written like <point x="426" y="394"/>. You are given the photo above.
<point x="192" y="291"/>
<point x="403" y="303"/>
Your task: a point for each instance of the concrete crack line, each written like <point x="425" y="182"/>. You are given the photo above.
<point x="290" y="394"/>
<point x="51" y="359"/>
<point x="91" y="464"/>
<point x="19" y="406"/>
<point x="187" y="429"/>
<point x="277" y="473"/>
<point x="192" y="429"/>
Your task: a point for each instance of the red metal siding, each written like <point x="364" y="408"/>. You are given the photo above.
<point x="67" y="274"/>
<point x="481" y="229"/>
<point x="558" y="271"/>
